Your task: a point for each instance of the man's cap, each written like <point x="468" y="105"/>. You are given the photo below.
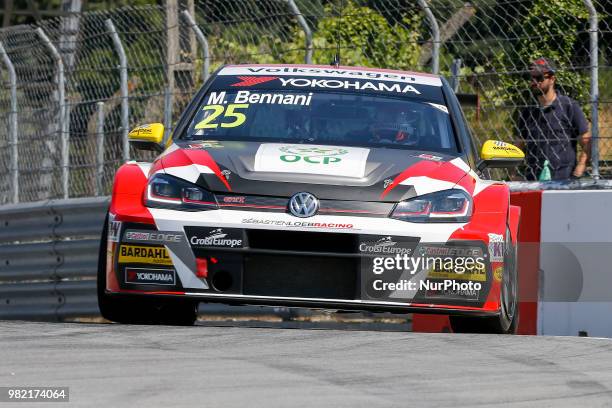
<point x="543" y="65"/>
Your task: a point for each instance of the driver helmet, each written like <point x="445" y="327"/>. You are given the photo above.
<point x="395" y="128"/>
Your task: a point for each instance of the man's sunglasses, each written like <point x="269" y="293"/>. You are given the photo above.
<point x="537" y="77"/>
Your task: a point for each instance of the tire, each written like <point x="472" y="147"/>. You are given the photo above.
<point x="135" y="310"/>
<point x="507" y="321"/>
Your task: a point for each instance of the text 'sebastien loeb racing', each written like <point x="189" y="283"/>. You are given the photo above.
<point x="332" y="187"/>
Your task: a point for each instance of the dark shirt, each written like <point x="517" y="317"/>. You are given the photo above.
<point x="551" y="133"/>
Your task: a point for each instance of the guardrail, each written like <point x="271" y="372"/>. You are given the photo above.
<point x="48" y="258"/>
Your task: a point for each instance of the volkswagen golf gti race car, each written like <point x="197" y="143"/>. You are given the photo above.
<point x="331" y="187"/>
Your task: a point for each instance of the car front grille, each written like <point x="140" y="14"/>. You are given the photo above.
<point x="299" y="241"/>
<point x="300" y="276"/>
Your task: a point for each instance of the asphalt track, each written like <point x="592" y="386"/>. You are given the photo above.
<point x="206" y="366"/>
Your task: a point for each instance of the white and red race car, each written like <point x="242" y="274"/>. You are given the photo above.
<point x="314" y="186"/>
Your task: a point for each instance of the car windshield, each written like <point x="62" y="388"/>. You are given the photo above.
<point x="343" y="118"/>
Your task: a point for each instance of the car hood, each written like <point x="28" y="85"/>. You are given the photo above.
<point x="328" y="172"/>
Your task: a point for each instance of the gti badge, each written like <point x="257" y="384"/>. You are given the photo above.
<point x="303" y="205"/>
<point x="387" y="182"/>
<point x="226" y="174"/>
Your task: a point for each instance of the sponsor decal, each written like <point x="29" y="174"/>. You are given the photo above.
<point x="333" y="73"/>
<point x="136" y="236"/>
<point x="496" y="247"/>
<point x="143" y="130"/>
<point x="297" y="224"/>
<point x="234" y="199"/>
<point x="150" y="276"/>
<point x="215" y="237"/>
<point x="498" y="273"/>
<point x="439" y="107"/>
<point x="253" y="80"/>
<point x="348" y="84"/>
<point x="475" y="273"/>
<point x="444" y="290"/>
<point x="312" y="159"/>
<point x="114" y="231"/>
<point x="152" y="236"/>
<point x="204" y="144"/>
<point x="385" y="245"/>
<point x="429" y="157"/>
<point x="144" y="254"/>
<point x="474" y="252"/>
<point x="387" y="182"/>
<point x="226" y="174"/>
<point x="506" y="147"/>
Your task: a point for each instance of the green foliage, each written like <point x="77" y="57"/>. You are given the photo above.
<point x="228" y="45"/>
<point x="365" y="38"/>
<point x="550" y="30"/>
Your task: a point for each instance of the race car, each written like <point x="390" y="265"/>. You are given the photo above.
<point x="332" y="187"/>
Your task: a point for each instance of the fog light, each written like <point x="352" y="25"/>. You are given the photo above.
<point x="201" y="268"/>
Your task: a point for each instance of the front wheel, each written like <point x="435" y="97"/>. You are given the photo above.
<point x="136" y="310"/>
<point x="507" y="321"/>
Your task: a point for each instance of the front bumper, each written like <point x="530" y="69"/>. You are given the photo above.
<point x="276" y="259"/>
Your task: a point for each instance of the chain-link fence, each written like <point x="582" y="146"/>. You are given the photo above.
<point x="80" y="81"/>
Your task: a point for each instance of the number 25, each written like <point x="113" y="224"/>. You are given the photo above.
<point x="217" y="110"/>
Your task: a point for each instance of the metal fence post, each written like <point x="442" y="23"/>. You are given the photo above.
<point x="307" y="31"/>
<point x="455" y="74"/>
<point x="203" y="43"/>
<point x="99" y="147"/>
<point x="123" y="77"/>
<point x="12" y="126"/>
<point x="435" y="31"/>
<point x="167" y="113"/>
<point x="594" y="54"/>
<point x="62" y="125"/>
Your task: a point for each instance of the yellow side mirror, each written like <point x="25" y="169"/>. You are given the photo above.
<point x="498" y="154"/>
<point x="147" y="137"/>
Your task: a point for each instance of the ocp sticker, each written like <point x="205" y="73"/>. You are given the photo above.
<point x="312" y="159"/>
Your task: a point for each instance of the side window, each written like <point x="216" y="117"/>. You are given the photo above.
<point x="465" y="138"/>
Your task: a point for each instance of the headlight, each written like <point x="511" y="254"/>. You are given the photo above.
<point x="164" y="191"/>
<point x="442" y="206"/>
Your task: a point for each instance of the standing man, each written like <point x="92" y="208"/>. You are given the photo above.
<point x="553" y="129"/>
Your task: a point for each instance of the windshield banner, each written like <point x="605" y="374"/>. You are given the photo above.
<point x="331" y="72"/>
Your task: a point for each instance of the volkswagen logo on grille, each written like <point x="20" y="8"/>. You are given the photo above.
<point x="303" y="205"/>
